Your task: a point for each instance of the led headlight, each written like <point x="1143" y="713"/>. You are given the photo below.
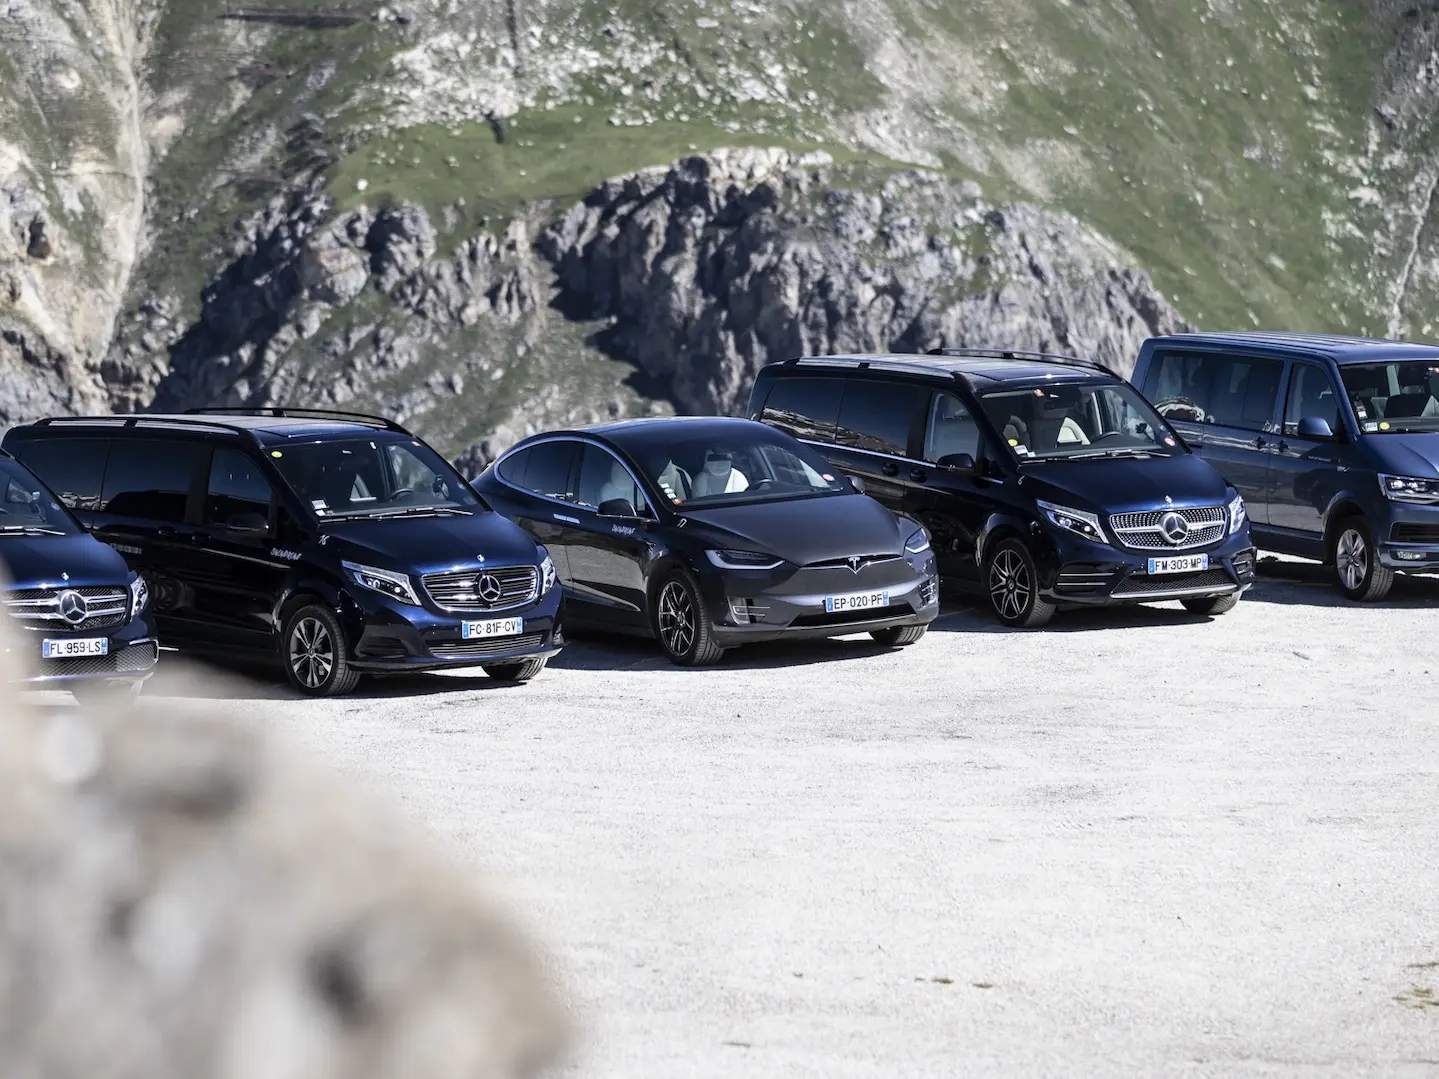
<point x="727" y="559"/>
<point x="139" y="595"/>
<point x="1237" y="513"/>
<point x="1409" y="489"/>
<point x="547" y="571"/>
<point x="384" y="581"/>
<point x="917" y="543"/>
<point x="1076" y="521"/>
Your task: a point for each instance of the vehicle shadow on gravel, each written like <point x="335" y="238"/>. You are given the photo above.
<point x="1309" y="584"/>
<point x="970" y="614"/>
<point x="601" y="652"/>
<point x="220" y="680"/>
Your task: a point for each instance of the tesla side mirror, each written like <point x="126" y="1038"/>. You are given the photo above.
<point x="617" y="507"/>
<point x="1317" y="428"/>
<point x="855" y="484"/>
<point x="248" y="524"/>
<point x="957" y="462"/>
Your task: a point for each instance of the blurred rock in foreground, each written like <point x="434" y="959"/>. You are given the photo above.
<point x="181" y="897"/>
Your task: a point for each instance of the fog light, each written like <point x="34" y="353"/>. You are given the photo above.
<point x="743" y="612"/>
<point x="1411" y="556"/>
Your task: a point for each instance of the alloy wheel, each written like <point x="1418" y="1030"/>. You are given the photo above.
<point x="312" y="652"/>
<point x="677" y="618"/>
<point x="1351" y="558"/>
<point x="1009" y="587"/>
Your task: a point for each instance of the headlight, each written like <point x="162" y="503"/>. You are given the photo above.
<point x="547" y="571"/>
<point x="1076" y="521"/>
<point x="917" y="543"/>
<point x="384" y="581"/>
<point x="1237" y="513"/>
<point x="726" y="559"/>
<point x="139" y="595"/>
<point x="1409" y="489"/>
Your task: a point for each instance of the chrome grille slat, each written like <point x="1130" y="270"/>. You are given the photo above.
<point x="1141" y="531"/>
<point x="481" y="649"/>
<point x="39" y="608"/>
<point x="458" y="590"/>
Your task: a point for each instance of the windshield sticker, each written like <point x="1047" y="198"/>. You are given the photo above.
<point x="1370" y="426"/>
<point x="1383" y="425"/>
<point x="828" y="477"/>
<point x="1168" y="441"/>
<point x="276" y="453"/>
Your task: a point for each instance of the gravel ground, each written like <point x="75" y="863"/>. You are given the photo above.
<point x="1138" y="842"/>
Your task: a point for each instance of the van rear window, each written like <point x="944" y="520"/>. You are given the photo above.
<point x="150" y="480"/>
<point x="73" y="468"/>
<point x="805" y="407"/>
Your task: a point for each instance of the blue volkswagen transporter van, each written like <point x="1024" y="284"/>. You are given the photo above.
<point x="1044" y="481"/>
<point x="336" y="543"/>
<point x="82" y="611"/>
<point x="1332" y="441"/>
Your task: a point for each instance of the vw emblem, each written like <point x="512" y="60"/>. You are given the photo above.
<point x="1174" y="527"/>
<point x="489" y="587"/>
<point x="73" y="607"/>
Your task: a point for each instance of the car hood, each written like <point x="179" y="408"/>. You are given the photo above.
<point x="1124" y="485"/>
<point x="39" y="561"/>
<point x="431" y="544"/>
<point x="1415" y="454"/>
<point x="805" y="530"/>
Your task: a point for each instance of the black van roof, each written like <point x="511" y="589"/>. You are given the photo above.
<point x="1336" y="347"/>
<point x="991" y="365"/>
<point x="266" y="426"/>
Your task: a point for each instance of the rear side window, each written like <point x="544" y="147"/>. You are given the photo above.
<point x="237" y="487"/>
<point x="603" y="479"/>
<point x="543" y="469"/>
<point x="1178" y="385"/>
<point x="1311" y="396"/>
<point x="949" y="429"/>
<point x="878" y="415"/>
<point x="150" y="480"/>
<point x="74" y="468"/>
<point x="1244" y="390"/>
<point x="804" y="407"/>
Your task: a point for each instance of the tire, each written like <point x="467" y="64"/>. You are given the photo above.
<point x="312" y="650"/>
<point x="1211" y="605"/>
<point x="1012" y="584"/>
<point x="1355" y="557"/>
<point x="681" y="622"/>
<point x="519" y="671"/>
<point x="898" y="636"/>
<point x="106" y="694"/>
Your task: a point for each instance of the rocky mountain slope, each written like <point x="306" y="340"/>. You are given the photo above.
<point x="487" y="216"/>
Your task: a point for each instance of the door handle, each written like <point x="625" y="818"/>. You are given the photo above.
<point x="166" y="532"/>
<point x="1260" y="442"/>
<point x="918" y="475"/>
<point x="1283" y="446"/>
<point x="889" y="468"/>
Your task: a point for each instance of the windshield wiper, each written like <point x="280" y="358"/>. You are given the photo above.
<point x="1127" y="452"/>
<point x="29" y="530"/>
<point x="411" y="511"/>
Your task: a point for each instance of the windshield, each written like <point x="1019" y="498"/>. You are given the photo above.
<point x="1391" y="398"/>
<point x="373" y="478"/>
<point x="742" y="465"/>
<point x="1070" y="421"/>
<point x="27" y="507"/>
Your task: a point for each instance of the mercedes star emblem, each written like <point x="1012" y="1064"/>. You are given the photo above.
<point x="1174" y="527"/>
<point x="489" y="587"/>
<point x="73" y="607"/>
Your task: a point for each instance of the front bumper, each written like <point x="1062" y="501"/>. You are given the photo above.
<point x="133" y="653"/>
<point x="1409" y="540"/>
<point x="749" y="607"/>
<point x="1085" y="574"/>
<point x="384" y="635"/>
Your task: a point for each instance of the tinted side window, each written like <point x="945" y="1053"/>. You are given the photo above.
<point x="1178" y="385"/>
<point x="73" y="468"/>
<point x="150" y="480"/>
<point x="950" y="429"/>
<point x="805" y="407"/>
<point x="543" y="469"/>
<point x="602" y="479"/>
<point x="877" y="415"/>
<point x="1244" y="390"/>
<point x="1311" y="396"/>
<point x="237" y="486"/>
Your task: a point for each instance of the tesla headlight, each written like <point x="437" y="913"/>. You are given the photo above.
<point x="917" y="543"/>
<point x="1409" y="489"/>
<point x="727" y="559"/>
<point x="139" y="595"/>
<point x="384" y="581"/>
<point x="1076" y="521"/>
<point x="547" y="571"/>
<point x="1237" y="513"/>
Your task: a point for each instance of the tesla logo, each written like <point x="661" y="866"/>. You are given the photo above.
<point x="489" y="588"/>
<point x="73" y="607"/>
<point x="854" y="563"/>
<point x="1174" y="527"/>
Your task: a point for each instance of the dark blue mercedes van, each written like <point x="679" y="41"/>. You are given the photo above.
<point x="1332" y="441"/>
<point x="83" y="613"/>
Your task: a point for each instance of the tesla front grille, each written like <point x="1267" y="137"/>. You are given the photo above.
<point x="1154" y="530"/>
<point x="483" y="649"/>
<point x="483" y="589"/>
<point x="47" y="608"/>
<point x="855" y="563"/>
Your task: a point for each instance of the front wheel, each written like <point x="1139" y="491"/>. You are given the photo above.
<point x="1357" y="568"/>
<point x="682" y="622"/>
<point x="521" y="671"/>
<point x="898" y="636"/>
<point x="1211" y="605"/>
<point x="314" y="653"/>
<point x="1013" y="586"/>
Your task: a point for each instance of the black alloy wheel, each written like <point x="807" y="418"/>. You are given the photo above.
<point x="682" y="623"/>
<point x="314" y="653"/>
<point x="1012" y="583"/>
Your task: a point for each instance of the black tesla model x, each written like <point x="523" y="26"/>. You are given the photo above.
<point x="709" y="533"/>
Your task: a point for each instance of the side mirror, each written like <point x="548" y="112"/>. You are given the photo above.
<point x="855" y="484"/>
<point x="1317" y="428"/>
<point x="617" y="507"/>
<point x="957" y="462"/>
<point x="248" y="524"/>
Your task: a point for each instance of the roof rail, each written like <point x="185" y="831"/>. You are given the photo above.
<point x="303" y="414"/>
<point x="1014" y="354"/>
<point x="142" y="420"/>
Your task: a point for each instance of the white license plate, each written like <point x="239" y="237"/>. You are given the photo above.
<point x="855" y="601"/>
<point x="76" y="646"/>
<point x="495" y="627"/>
<point x="1182" y="564"/>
